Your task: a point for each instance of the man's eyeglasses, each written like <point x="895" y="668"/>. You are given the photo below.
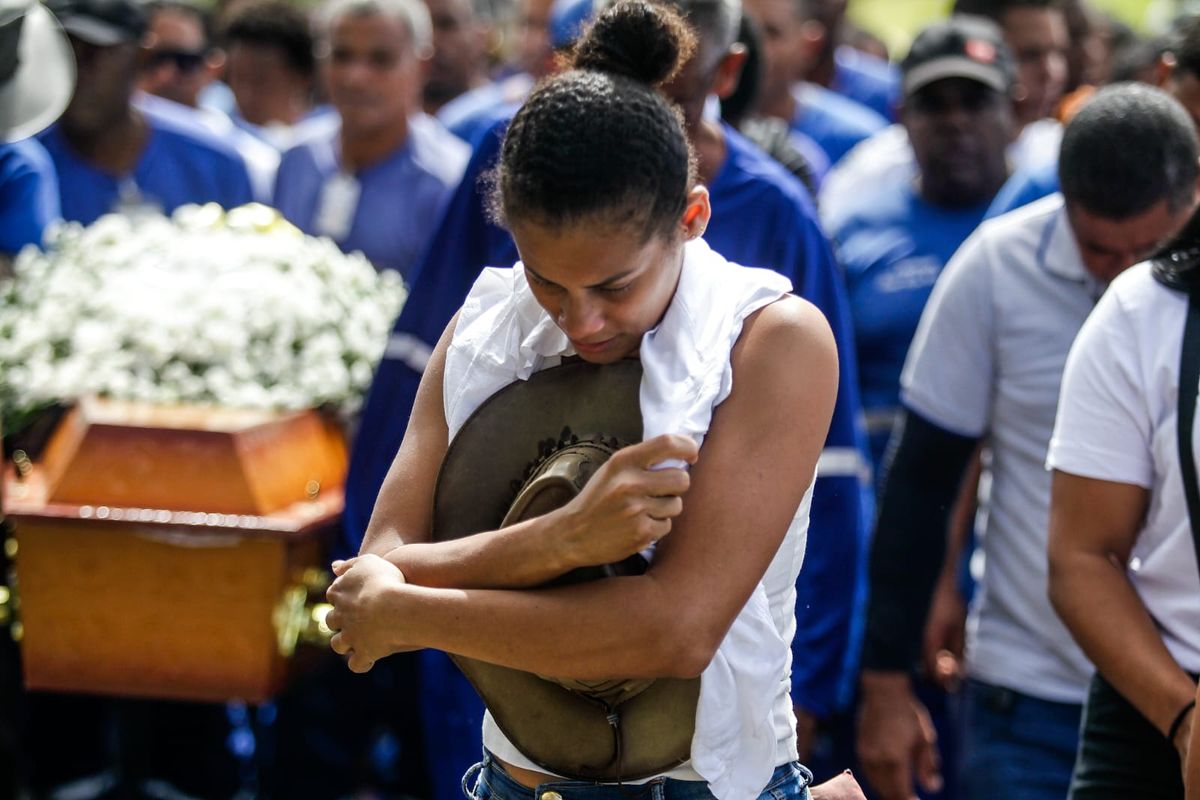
<point x="185" y="61"/>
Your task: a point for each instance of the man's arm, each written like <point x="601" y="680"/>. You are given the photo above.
<point x="945" y="627"/>
<point x="1093" y="526"/>
<point x="923" y="481"/>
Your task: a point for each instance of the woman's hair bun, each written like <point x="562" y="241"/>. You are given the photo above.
<point x="645" y="41"/>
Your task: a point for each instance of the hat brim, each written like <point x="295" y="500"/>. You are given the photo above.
<point x="485" y="464"/>
<point x="40" y="89"/>
<point x="569" y="734"/>
<point x="564" y="732"/>
<point x="955" y="67"/>
<point x="96" y="31"/>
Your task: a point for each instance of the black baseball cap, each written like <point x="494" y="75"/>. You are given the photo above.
<point x="959" y="47"/>
<point x="101" y="22"/>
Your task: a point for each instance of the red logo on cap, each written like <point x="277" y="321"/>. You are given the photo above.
<point x="980" y="50"/>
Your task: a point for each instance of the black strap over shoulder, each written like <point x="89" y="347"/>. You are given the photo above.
<point x="1178" y="268"/>
<point x="1189" y="385"/>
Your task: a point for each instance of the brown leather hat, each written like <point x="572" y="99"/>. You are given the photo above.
<point x="528" y="449"/>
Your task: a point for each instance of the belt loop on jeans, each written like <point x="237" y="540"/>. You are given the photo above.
<point x="475" y="771"/>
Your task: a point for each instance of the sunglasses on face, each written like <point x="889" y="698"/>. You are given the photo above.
<point x="185" y="61"/>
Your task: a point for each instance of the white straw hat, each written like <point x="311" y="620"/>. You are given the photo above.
<point x="37" y="69"/>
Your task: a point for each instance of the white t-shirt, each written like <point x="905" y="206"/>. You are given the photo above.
<point x="1117" y="422"/>
<point x="986" y="361"/>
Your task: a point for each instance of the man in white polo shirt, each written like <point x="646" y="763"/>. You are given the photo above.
<point x="985" y="365"/>
<point x="1123" y="572"/>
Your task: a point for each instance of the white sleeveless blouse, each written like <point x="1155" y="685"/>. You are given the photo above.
<point x="745" y="725"/>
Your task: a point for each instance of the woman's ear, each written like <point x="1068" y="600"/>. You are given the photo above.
<point x="697" y="214"/>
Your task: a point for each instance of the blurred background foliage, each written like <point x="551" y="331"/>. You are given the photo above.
<point x="897" y="21"/>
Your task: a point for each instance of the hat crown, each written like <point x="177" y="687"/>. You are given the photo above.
<point x="10" y="46"/>
<point x="37" y="69"/>
<point x="101" y="22"/>
<point x="14" y="10"/>
<point x="962" y="46"/>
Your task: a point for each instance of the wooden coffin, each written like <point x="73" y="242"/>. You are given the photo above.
<point x="168" y="552"/>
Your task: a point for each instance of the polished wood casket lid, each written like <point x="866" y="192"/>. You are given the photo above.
<point x="215" y="460"/>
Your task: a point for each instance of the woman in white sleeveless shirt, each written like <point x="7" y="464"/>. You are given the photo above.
<point x="597" y="185"/>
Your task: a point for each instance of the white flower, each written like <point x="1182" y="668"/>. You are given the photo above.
<point x="238" y="309"/>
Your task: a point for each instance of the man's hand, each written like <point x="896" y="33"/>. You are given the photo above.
<point x="843" y="787"/>
<point x="945" y="630"/>
<point x="895" y="737"/>
<point x="363" y="612"/>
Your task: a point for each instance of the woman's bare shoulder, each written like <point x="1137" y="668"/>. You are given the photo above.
<point x="790" y="330"/>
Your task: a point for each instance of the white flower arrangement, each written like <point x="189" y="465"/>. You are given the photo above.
<point x="236" y="309"/>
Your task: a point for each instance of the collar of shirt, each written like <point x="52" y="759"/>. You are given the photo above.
<point x="1059" y="254"/>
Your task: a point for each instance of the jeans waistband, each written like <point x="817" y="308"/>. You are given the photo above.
<point x="503" y="786"/>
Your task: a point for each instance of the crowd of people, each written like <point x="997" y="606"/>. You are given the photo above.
<point x="977" y="408"/>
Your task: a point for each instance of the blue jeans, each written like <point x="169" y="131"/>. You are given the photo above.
<point x="491" y="782"/>
<point x="1017" y="746"/>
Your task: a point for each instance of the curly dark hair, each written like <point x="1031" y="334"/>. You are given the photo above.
<point x="599" y="141"/>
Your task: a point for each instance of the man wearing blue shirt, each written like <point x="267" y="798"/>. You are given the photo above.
<point x="893" y="243"/>
<point x="1036" y="34"/>
<point x="761" y="217"/>
<point x="181" y="64"/>
<point x="378" y="182"/>
<point x="111" y="155"/>
<point x="836" y="123"/>
<point x="270" y="72"/>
